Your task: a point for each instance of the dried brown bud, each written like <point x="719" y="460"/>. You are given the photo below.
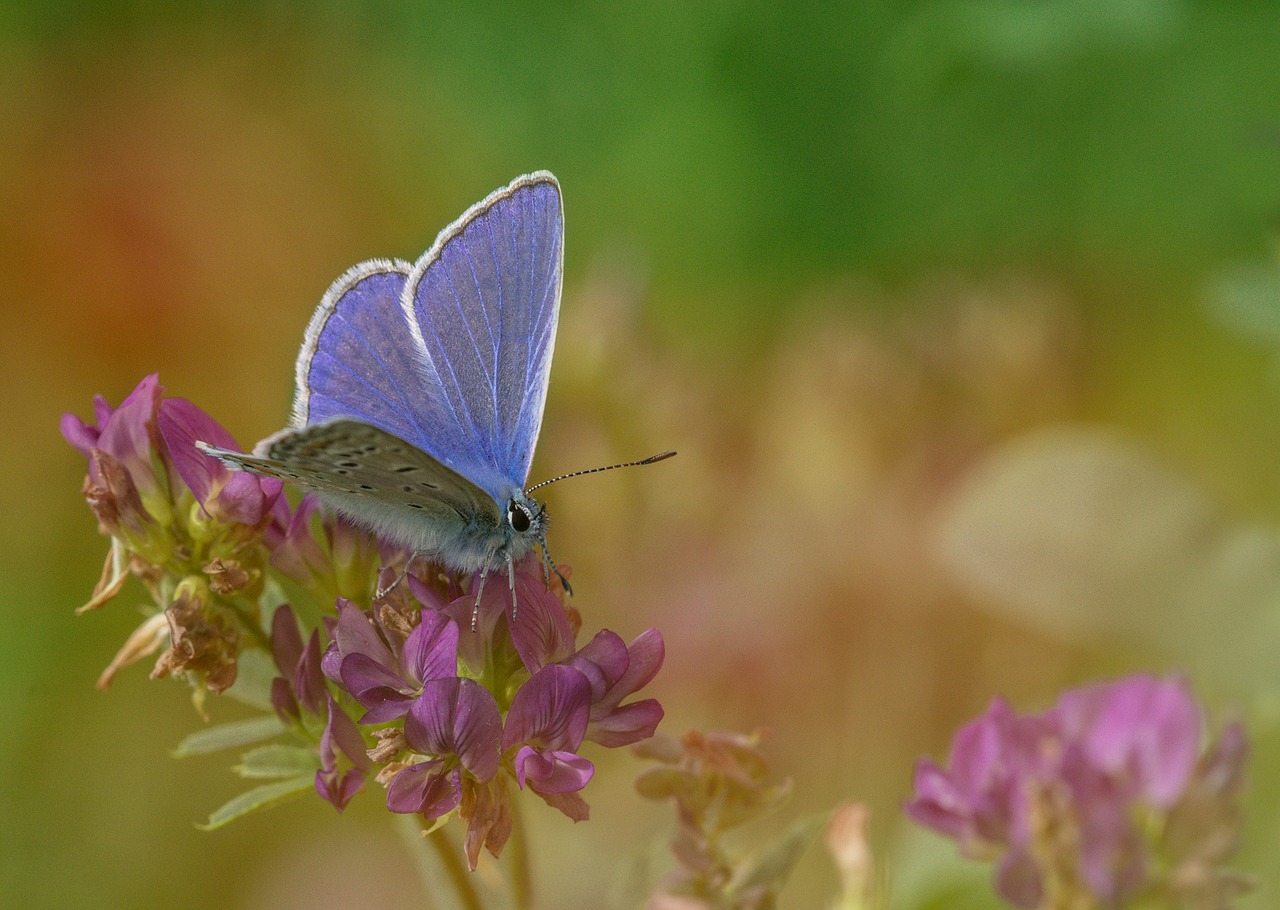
<point x="228" y="575"/>
<point x="199" y="642"/>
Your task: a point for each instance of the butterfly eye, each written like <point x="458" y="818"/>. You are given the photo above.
<point x="518" y="516"/>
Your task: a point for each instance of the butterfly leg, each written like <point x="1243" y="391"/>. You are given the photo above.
<point x="475" y="611"/>
<point x="380" y="593"/>
<point x="511" y="580"/>
<point x="549" y="566"/>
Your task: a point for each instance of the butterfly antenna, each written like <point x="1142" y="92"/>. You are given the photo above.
<point x="626" y="464"/>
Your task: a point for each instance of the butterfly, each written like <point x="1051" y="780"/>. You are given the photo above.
<point x="421" y="387"/>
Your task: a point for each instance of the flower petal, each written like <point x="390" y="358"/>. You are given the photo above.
<point x="1141" y="727"/>
<point x="552" y="771"/>
<point x="339" y="788"/>
<point x="938" y="803"/>
<point x="628" y="724"/>
<point x="486" y="808"/>
<point x="295" y="551"/>
<point x="645" y="655"/>
<point x="113" y="496"/>
<point x="362" y="676"/>
<point x="181" y="424"/>
<point x="282" y="699"/>
<point x="286" y="641"/>
<point x="603" y="661"/>
<point x="431" y="650"/>
<point x="308" y="681"/>
<point x="341" y="731"/>
<point x="1018" y="879"/>
<point x="540" y="631"/>
<point x="81" y="436"/>
<point x="617" y="671"/>
<point x="231" y="495"/>
<point x="550" y="710"/>
<point x="355" y="634"/>
<point x="495" y="601"/>
<point x="571" y="804"/>
<point x="129" y="433"/>
<point x="425" y="788"/>
<point x="478" y="730"/>
<point x="457" y="716"/>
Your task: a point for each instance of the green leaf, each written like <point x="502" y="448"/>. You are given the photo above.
<point x="278" y="760"/>
<point x="772" y="867"/>
<point x="229" y="736"/>
<point x="263" y="797"/>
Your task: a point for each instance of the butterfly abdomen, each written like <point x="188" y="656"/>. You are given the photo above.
<point x="468" y="543"/>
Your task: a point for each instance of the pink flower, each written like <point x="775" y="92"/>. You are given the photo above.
<point x="545" y="727"/>
<point x="384" y="677"/>
<point x="228" y="496"/>
<point x="300" y="688"/>
<point x="163" y="500"/>
<point x="192" y="530"/>
<point x="616" y="671"/>
<point x="334" y="784"/>
<point x="152" y="440"/>
<point x="455" y="722"/>
<point x="120" y="447"/>
<point x="464" y="717"/>
<point x="1058" y="796"/>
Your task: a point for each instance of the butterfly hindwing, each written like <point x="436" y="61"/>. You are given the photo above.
<point x="358" y="359"/>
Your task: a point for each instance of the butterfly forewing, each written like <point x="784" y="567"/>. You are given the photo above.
<point x="483" y="303"/>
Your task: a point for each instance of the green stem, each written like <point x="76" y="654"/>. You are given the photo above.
<point x="264" y="640"/>
<point x="445" y="880"/>
<point x="451" y="859"/>
<point x="518" y="849"/>
<point x="249" y="624"/>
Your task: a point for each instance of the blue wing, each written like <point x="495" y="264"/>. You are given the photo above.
<point x="482" y="304"/>
<point x="358" y="358"/>
<point x="451" y="354"/>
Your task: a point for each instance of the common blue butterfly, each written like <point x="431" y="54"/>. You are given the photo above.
<point x="420" y="387"/>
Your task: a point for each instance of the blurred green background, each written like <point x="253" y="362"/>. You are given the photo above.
<point x="962" y="315"/>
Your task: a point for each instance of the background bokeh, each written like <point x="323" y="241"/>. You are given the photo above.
<point x="963" y="316"/>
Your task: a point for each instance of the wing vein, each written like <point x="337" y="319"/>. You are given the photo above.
<point x="496" y="342"/>
<point x="453" y="374"/>
<point x="409" y="410"/>
<point x="528" y="345"/>
<point x="366" y="384"/>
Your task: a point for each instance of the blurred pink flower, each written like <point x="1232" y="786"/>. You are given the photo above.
<point x="1066" y="799"/>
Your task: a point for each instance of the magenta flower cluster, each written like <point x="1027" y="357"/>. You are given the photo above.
<point x="194" y="532"/>
<point x="449" y="720"/>
<point x="1105" y="796"/>
<point x="461" y="714"/>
